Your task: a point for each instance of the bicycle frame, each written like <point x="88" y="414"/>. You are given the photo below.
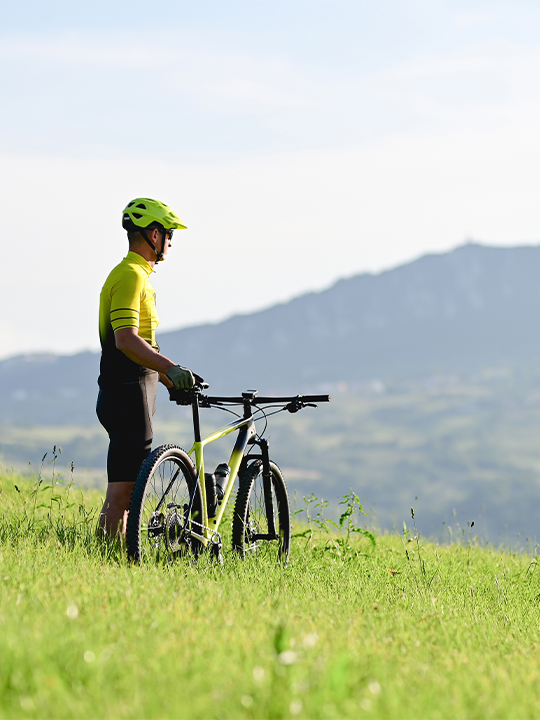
<point x="246" y="428"/>
<point x="247" y="434"/>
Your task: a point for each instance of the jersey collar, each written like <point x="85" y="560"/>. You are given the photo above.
<point x="135" y="257"/>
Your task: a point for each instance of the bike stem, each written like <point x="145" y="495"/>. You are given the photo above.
<point x="196" y="419"/>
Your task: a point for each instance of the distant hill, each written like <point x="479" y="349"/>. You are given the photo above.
<point x="456" y="311"/>
<point x="453" y="312"/>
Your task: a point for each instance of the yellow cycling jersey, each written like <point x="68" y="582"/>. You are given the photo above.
<point x="127" y="300"/>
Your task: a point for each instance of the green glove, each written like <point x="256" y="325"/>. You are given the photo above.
<point x="181" y="377"/>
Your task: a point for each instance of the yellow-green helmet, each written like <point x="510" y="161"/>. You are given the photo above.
<point x="142" y="212"/>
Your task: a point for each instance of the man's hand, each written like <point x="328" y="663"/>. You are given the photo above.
<point x="181" y="377"/>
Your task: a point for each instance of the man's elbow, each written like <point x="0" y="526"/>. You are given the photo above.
<point x="124" y="339"/>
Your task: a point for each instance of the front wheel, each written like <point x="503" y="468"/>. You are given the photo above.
<point x="262" y="521"/>
<point x="159" y="525"/>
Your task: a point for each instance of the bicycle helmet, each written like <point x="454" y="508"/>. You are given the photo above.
<point x="143" y="213"/>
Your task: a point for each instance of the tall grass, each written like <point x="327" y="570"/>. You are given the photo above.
<point x="397" y="628"/>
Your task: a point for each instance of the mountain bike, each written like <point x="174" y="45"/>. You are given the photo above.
<point x="176" y="508"/>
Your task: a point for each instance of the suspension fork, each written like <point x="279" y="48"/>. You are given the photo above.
<point x="267" y="486"/>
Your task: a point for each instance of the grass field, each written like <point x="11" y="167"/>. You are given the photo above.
<point x="400" y="629"/>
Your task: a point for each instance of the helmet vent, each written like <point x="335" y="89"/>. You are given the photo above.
<point x="140" y="205"/>
<point x="137" y="215"/>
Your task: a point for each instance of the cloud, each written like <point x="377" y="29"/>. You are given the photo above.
<point x="84" y="91"/>
<point x="252" y="94"/>
<point x="70" y="48"/>
<point x="472" y="19"/>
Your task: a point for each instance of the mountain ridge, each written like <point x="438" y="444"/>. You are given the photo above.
<point x="473" y="306"/>
<point x="438" y="313"/>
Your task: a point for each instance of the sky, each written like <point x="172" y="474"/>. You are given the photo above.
<point x="301" y="141"/>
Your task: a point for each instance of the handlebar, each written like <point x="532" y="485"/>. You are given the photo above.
<point x="292" y="403"/>
<point x="267" y="400"/>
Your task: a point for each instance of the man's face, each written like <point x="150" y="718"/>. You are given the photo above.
<point x="156" y="236"/>
<point x="168" y="241"/>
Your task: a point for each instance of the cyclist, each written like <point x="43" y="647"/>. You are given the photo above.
<point x="131" y="363"/>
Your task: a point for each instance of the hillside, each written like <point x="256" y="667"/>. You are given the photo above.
<point x="452" y="312"/>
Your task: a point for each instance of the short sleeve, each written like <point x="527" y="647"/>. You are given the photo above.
<point x="126" y="301"/>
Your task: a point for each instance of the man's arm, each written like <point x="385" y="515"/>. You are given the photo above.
<point x="136" y="349"/>
<point x="131" y="344"/>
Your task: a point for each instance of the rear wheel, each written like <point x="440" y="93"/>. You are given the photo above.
<point x="253" y="519"/>
<point x="158" y="527"/>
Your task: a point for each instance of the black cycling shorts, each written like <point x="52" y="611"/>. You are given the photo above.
<point x="125" y="412"/>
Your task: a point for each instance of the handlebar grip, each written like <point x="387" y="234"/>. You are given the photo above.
<point x="186" y="397"/>
<point x="315" y="398"/>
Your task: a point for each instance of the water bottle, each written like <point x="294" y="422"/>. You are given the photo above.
<point x="222" y="473"/>
<point x="211" y="496"/>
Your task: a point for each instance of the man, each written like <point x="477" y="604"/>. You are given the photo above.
<point x="131" y="363"/>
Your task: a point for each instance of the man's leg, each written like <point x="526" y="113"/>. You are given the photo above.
<point x="126" y="414"/>
<point x="113" y="517"/>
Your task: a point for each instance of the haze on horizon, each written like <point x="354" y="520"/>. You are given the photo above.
<point x="300" y="141"/>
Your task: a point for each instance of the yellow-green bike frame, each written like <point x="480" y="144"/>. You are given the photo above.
<point x="246" y="435"/>
<point x="246" y="426"/>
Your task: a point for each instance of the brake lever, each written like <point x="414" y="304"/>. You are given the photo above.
<point x="296" y="405"/>
<point x="200" y="382"/>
